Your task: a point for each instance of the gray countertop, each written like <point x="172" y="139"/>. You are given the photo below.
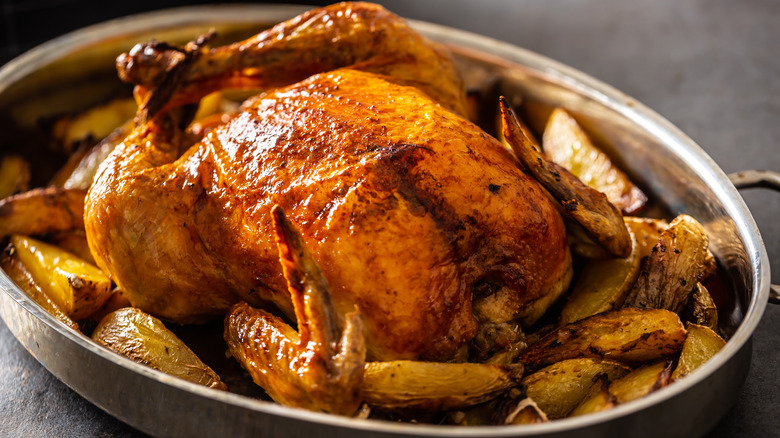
<point x="712" y="67"/>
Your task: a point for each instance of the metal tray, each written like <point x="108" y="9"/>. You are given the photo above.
<point x="665" y="162"/>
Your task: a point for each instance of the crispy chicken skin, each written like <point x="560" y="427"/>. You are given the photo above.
<point x="407" y="207"/>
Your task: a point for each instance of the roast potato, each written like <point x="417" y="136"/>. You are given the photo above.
<point x="642" y="381"/>
<point x="14" y="175"/>
<point x="434" y="386"/>
<point x="598" y="398"/>
<point x="636" y="384"/>
<point x="646" y="231"/>
<point x="82" y="165"/>
<point x="701" y="308"/>
<point x="145" y="339"/>
<point x="585" y="206"/>
<point x="111" y="123"/>
<point x="17" y="271"/>
<point x="76" y="286"/>
<point x="701" y="345"/>
<point x="602" y="286"/>
<point x="669" y="275"/>
<point x="558" y="388"/>
<point x="41" y="211"/>
<point x="567" y="144"/>
<point x="94" y="123"/>
<point x="626" y="335"/>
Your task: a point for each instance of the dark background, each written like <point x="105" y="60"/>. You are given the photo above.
<point x="28" y="23"/>
<point x="712" y="67"/>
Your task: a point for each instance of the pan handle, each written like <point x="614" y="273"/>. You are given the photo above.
<point x="766" y="179"/>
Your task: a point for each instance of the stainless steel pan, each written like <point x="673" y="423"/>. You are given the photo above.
<point x="678" y="174"/>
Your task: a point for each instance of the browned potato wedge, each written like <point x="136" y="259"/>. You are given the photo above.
<point x="81" y="167"/>
<point x="589" y="208"/>
<point x="642" y="381"/>
<point x="565" y="143"/>
<point x="602" y="286"/>
<point x="209" y="105"/>
<point x="701" y="345"/>
<point x="22" y="277"/>
<point x="42" y="211"/>
<point x="709" y="268"/>
<point x="597" y="399"/>
<point x="111" y="127"/>
<point x="434" y="386"/>
<point x="77" y="287"/>
<point x="144" y="339"/>
<point x="701" y="308"/>
<point x="96" y="122"/>
<point x="558" y="388"/>
<point x="626" y="335"/>
<point x="14" y="175"/>
<point x="647" y="231"/>
<point x="669" y="275"/>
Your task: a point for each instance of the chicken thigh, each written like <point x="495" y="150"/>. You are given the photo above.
<point x="411" y="211"/>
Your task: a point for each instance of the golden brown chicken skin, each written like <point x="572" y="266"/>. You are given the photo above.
<point x="407" y="207"/>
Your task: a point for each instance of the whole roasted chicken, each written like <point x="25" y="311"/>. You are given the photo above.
<point x="417" y="230"/>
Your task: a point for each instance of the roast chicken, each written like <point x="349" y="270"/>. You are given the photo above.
<point x="424" y="228"/>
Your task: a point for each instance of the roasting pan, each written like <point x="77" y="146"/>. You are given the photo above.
<point x="77" y="70"/>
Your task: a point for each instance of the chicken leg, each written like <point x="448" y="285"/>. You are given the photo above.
<point x="361" y="36"/>
<point x="316" y="367"/>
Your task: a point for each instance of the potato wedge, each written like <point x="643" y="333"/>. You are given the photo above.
<point x="145" y="339"/>
<point x="709" y="268"/>
<point x="77" y="287"/>
<point x="597" y="399"/>
<point x="81" y="167"/>
<point x="642" y="381"/>
<point x="17" y="272"/>
<point x="558" y="388"/>
<point x="209" y="105"/>
<point x="626" y="335"/>
<point x="669" y="275"/>
<point x="701" y="345"/>
<point x="567" y="144"/>
<point x="96" y="122"/>
<point x="589" y="208"/>
<point x="14" y="175"/>
<point x="602" y="286"/>
<point x="434" y="386"/>
<point x="701" y="308"/>
<point x="646" y="231"/>
<point x="42" y="211"/>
